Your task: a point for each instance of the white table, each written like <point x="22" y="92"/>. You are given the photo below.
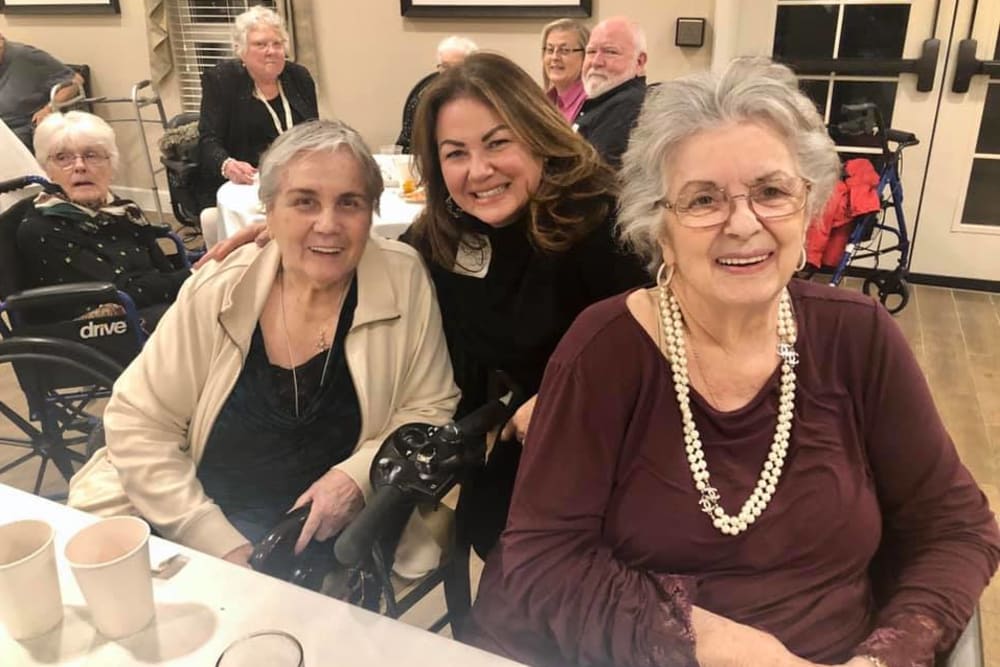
<point x="209" y="603"/>
<point x="240" y="206"/>
<point x="17" y="161"/>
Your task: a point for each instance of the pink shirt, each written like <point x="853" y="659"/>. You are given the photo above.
<point x="570" y="103"/>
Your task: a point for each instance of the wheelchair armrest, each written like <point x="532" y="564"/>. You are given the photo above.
<point x="63" y="295"/>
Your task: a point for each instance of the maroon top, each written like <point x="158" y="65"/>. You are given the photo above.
<point x="606" y="547"/>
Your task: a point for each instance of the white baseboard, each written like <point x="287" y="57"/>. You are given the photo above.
<point x="144" y="197"/>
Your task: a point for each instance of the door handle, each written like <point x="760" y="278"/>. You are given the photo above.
<point x="968" y="65"/>
<point x="922" y="66"/>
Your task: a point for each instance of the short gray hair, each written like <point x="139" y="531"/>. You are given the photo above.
<point x="61" y="129"/>
<point x="455" y="43"/>
<point x="317" y="136"/>
<point x="749" y="89"/>
<point x="253" y="18"/>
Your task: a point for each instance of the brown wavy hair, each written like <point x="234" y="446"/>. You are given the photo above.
<point x="577" y="189"/>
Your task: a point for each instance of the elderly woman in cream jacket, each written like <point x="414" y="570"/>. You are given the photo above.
<point x="277" y="374"/>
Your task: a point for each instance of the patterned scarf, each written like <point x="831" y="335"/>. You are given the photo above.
<point x="88" y="219"/>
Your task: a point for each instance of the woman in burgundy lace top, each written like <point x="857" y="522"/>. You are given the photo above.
<point x="734" y="468"/>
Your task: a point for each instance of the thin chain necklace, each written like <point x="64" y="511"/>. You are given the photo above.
<point x="288" y="339"/>
<point x="673" y="327"/>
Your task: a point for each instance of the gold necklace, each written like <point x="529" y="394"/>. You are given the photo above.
<point x="322" y="338"/>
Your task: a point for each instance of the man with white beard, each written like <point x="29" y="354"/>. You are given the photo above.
<point x="614" y="79"/>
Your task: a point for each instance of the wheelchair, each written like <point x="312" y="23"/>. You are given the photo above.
<point x="65" y="368"/>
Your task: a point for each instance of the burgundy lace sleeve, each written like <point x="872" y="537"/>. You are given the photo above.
<point x="940" y="543"/>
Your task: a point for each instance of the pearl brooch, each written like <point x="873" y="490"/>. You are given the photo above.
<point x="770" y="474"/>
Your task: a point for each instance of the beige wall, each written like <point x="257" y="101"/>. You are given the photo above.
<point x="369" y="60"/>
<point x="366" y="56"/>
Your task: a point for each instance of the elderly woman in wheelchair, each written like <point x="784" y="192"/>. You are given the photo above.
<point x="276" y="375"/>
<point x="86" y="233"/>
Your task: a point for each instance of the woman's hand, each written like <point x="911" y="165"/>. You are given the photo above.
<point x="517" y="427"/>
<point x="720" y="642"/>
<point x="239" y="172"/>
<point x="335" y="499"/>
<point x="257" y="232"/>
<point x="240" y="555"/>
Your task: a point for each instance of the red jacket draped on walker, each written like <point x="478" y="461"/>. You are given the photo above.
<point x="853" y="196"/>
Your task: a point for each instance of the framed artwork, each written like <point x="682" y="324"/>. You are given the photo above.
<point x="494" y="8"/>
<point x="60" y="7"/>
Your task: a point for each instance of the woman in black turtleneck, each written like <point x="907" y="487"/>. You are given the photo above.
<point x="519" y="236"/>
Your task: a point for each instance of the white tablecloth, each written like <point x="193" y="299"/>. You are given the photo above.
<point x="240" y="206"/>
<point x="208" y="604"/>
<point x="15" y="161"/>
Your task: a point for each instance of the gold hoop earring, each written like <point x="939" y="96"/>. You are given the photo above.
<point x="803" y="261"/>
<point x="661" y="281"/>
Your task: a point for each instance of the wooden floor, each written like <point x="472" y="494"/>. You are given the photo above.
<point x="956" y="337"/>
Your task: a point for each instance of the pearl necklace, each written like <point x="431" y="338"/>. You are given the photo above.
<point x="673" y="328"/>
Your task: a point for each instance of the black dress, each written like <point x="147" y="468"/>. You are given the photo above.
<point x="510" y="320"/>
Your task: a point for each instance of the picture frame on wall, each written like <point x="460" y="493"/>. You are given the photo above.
<point x="60" y="7"/>
<point x="494" y="8"/>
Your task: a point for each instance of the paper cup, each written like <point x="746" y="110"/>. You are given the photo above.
<point x="30" y="603"/>
<point x="110" y="561"/>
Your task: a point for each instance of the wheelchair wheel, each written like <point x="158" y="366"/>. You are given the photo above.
<point x="64" y="386"/>
<point x="893" y="292"/>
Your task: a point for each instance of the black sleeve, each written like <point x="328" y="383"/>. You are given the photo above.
<point x="606" y="268"/>
<point x="309" y="92"/>
<point x="213" y="121"/>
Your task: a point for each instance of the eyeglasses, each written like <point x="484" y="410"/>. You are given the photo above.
<point x="707" y="206"/>
<point x="90" y="158"/>
<point x="262" y="44"/>
<point x="561" y="51"/>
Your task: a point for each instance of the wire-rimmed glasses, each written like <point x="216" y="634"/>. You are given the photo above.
<point x="561" y="51"/>
<point x="707" y="205"/>
<point x="67" y="160"/>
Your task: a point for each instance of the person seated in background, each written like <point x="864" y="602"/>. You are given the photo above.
<point x="451" y="51"/>
<point x="734" y="467"/>
<point x="249" y="101"/>
<point x="27" y="75"/>
<point x="87" y="233"/>
<point x="614" y="76"/>
<point x="563" y="44"/>
<point x="278" y="373"/>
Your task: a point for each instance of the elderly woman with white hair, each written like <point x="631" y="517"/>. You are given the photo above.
<point x="278" y="372"/>
<point x="86" y="233"/>
<point x="247" y="102"/>
<point x="734" y="467"/>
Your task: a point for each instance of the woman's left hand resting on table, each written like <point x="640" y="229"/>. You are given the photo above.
<point x="335" y="499"/>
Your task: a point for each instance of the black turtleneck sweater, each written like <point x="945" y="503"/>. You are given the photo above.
<point x="512" y="317"/>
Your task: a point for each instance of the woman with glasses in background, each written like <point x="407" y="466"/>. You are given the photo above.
<point x="563" y="43"/>
<point x="734" y="467"/>
<point x="248" y="101"/>
<point x="87" y="233"/>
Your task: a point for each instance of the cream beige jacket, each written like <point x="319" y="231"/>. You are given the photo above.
<point x="163" y="406"/>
